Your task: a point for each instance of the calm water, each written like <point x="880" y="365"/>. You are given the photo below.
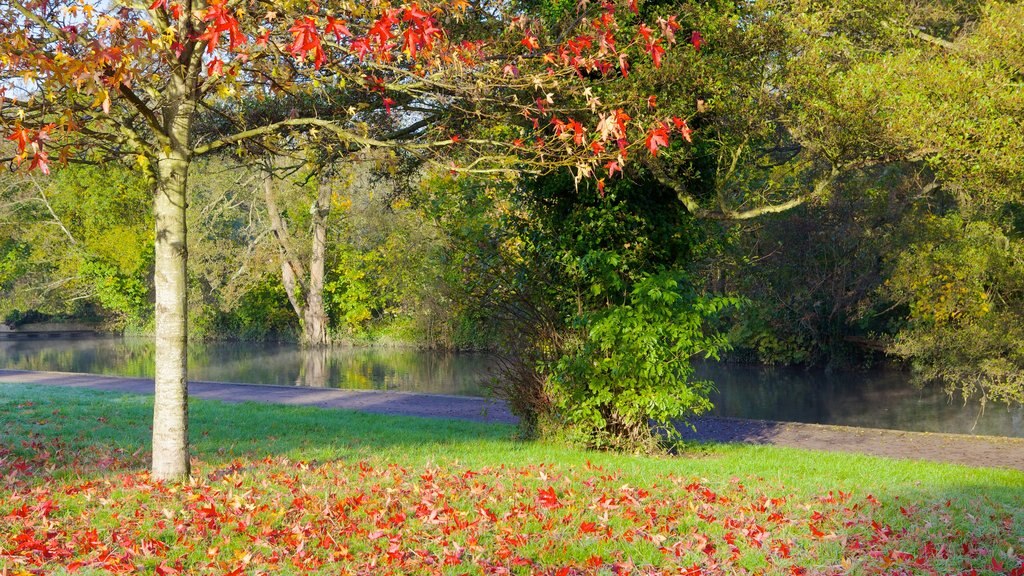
<point x="874" y="399"/>
<point x="396" y="369"/>
<point x="881" y="399"/>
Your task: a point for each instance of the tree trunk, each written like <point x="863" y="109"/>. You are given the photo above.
<point x="291" y="267"/>
<point x="314" y="326"/>
<point x="170" y="405"/>
<point x="306" y="295"/>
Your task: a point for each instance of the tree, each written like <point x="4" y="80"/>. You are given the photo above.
<point x="87" y="81"/>
<point x="78" y="244"/>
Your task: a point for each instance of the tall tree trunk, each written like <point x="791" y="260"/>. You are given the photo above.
<point x="291" y="267"/>
<point x="306" y="294"/>
<point x="314" y="328"/>
<point x="170" y="405"/>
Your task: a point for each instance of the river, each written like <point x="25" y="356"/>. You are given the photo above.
<point x="874" y="398"/>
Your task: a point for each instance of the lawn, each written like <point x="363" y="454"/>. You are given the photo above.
<point x="289" y="490"/>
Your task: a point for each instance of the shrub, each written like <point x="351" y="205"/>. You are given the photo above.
<point x="625" y="379"/>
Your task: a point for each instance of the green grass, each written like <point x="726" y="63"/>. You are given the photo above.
<point x="81" y="448"/>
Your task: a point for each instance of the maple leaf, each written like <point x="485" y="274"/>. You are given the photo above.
<point x="547" y="498"/>
<point x="696" y="39"/>
<point x="620" y="121"/>
<point x="578" y="132"/>
<point x="361" y="46"/>
<point x="381" y="28"/>
<point x="215" y="67"/>
<point x="388" y="103"/>
<point x="669" y="27"/>
<point x="657" y="138"/>
<point x="306" y="40"/>
<point x="21" y="137"/>
<point x="612" y="167"/>
<point x="683" y="128"/>
<point x="219" y="19"/>
<point x="656" y="50"/>
<point x="530" y="42"/>
<point x="644" y="33"/>
<point x="336" y="27"/>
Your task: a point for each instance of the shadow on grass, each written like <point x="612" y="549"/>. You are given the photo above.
<point x="82" y="431"/>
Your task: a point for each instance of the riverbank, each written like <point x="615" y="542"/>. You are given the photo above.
<point x="985" y="451"/>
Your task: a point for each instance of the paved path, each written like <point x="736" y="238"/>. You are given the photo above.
<point x="426" y="405"/>
<point x="957" y="448"/>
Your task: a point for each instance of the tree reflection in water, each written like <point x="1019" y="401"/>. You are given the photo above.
<point x="877" y="398"/>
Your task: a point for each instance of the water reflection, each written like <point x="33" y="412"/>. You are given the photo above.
<point x="875" y="399"/>
<point x="403" y="370"/>
<point x="880" y="399"/>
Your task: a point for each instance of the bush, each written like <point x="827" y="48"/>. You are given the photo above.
<point x="626" y="378"/>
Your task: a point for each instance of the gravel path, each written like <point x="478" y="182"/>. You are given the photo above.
<point x="956" y="448"/>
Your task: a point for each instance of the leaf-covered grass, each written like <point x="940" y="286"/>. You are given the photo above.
<point x="294" y="490"/>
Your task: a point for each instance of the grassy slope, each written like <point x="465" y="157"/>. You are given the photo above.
<point x="62" y="438"/>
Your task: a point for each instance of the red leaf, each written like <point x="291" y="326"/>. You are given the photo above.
<point x="306" y="40"/>
<point x="21" y="136"/>
<point x="612" y="166"/>
<point x="645" y="33"/>
<point x="657" y="138"/>
<point x="547" y="498"/>
<point x="696" y="39"/>
<point x="219" y="19"/>
<point x="381" y="28"/>
<point x="683" y="128"/>
<point x="336" y="27"/>
<point x="215" y="67"/>
<point x="590" y="527"/>
<point x="40" y="161"/>
<point x="656" y="50"/>
<point x="530" y="42"/>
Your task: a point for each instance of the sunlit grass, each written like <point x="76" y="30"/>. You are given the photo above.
<point x="55" y="441"/>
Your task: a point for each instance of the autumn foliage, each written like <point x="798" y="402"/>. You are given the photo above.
<point x="94" y="73"/>
<point x="84" y="506"/>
